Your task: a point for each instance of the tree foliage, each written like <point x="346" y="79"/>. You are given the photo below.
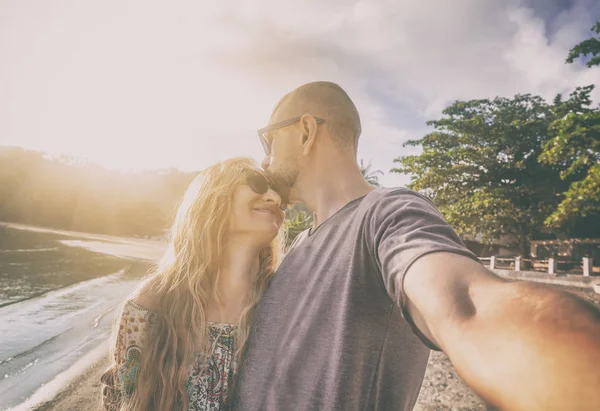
<point x="482" y="164"/>
<point x="372" y="176"/>
<point x="52" y="193"/>
<point x="56" y="193"/>
<point x="298" y="218"/>
<point x="575" y="149"/>
<point x="587" y="47"/>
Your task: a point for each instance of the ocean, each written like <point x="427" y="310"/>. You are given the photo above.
<point x="58" y="302"/>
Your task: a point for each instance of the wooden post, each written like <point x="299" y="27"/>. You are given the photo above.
<point x="587" y="266"/>
<point x="551" y="265"/>
<point x="493" y="262"/>
<point x="518" y="263"/>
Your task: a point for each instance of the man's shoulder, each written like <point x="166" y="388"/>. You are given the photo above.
<point x="299" y="238"/>
<point x="393" y="196"/>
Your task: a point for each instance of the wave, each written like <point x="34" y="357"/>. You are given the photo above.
<point x="98" y="318"/>
<point x="31" y="350"/>
<point x="22" y="370"/>
<point x="67" y="288"/>
<point x="29" y="250"/>
<point x="51" y="388"/>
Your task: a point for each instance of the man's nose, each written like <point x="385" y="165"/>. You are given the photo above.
<point x="266" y="162"/>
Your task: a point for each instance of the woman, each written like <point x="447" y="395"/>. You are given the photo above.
<point x="181" y="332"/>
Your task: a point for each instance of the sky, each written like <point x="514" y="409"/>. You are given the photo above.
<point x="134" y="85"/>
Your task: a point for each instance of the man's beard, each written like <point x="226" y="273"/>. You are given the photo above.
<point x="284" y="179"/>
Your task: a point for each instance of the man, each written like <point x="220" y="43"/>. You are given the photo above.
<point x="346" y="320"/>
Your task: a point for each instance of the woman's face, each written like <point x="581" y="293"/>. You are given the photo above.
<point x="256" y="210"/>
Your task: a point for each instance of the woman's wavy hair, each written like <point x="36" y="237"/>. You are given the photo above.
<point x="185" y="280"/>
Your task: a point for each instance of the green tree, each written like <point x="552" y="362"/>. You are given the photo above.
<point x="590" y="46"/>
<point x="298" y="218"/>
<point x="61" y="193"/>
<point x="480" y="166"/>
<point x="372" y="177"/>
<point x="575" y="149"/>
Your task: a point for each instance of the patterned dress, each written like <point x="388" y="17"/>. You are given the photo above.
<point x="207" y="388"/>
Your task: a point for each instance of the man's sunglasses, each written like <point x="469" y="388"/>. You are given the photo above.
<point x="260" y="185"/>
<point x="264" y="133"/>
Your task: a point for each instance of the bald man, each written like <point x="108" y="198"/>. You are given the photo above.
<point x="361" y="297"/>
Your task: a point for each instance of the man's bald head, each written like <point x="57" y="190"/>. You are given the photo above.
<point x="328" y="101"/>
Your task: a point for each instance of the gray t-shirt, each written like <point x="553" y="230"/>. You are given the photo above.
<point x="329" y="331"/>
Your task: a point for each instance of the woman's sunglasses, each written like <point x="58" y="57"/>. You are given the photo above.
<point x="260" y="184"/>
<point x="257" y="182"/>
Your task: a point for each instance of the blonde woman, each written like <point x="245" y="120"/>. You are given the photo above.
<point x="181" y="332"/>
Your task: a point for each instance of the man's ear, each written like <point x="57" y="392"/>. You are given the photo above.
<point x="309" y="136"/>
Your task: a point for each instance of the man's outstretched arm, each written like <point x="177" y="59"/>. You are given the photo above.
<point x="519" y="345"/>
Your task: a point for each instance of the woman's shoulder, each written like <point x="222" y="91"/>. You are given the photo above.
<point x="145" y="297"/>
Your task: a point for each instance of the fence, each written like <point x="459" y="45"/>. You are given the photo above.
<point x="550" y="266"/>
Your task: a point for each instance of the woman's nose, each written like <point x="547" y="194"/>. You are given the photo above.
<point x="272" y="196"/>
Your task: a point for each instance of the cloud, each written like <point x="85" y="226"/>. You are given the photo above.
<point x="186" y="83"/>
<point x="405" y="61"/>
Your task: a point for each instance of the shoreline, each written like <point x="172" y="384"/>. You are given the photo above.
<point x="79" y="389"/>
<point x="78" y="386"/>
<point x="442" y="389"/>
<point x="70" y="396"/>
<point x="80" y="234"/>
<point x="124" y="247"/>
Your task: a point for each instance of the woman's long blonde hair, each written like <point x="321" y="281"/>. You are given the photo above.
<point x="183" y="283"/>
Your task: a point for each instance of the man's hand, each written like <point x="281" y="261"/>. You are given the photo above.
<point x="519" y="345"/>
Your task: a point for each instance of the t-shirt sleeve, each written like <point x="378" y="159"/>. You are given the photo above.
<point x="404" y="227"/>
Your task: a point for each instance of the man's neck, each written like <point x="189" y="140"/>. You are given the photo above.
<point x="330" y="187"/>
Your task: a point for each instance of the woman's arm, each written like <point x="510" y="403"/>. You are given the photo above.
<point x="120" y="379"/>
<point x="111" y="393"/>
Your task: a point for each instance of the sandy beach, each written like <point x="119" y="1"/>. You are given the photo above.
<point x="82" y="393"/>
<point x="80" y="387"/>
<point x="442" y="388"/>
<point x="66" y="289"/>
